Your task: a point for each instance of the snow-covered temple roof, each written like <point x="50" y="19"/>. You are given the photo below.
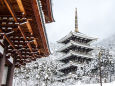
<point x="75" y="44"/>
<point x="78" y="35"/>
<point x="76" y="54"/>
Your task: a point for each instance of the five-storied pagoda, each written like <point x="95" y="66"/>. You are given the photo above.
<point x="77" y="53"/>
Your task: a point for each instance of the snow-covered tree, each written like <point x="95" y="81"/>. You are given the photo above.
<point x="106" y="62"/>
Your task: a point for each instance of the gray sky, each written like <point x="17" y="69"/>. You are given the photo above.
<point x="96" y="18"/>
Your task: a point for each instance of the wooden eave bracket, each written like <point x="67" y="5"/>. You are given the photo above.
<point x="15" y="19"/>
<point x="9" y="41"/>
<point x="21" y="7"/>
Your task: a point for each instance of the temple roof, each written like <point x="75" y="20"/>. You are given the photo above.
<point x="67" y="69"/>
<point x="47" y="10"/>
<point x="73" y="53"/>
<point x="67" y="76"/>
<point x="68" y="65"/>
<point x="72" y="43"/>
<point x="76" y="34"/>
<point x="22" y="25"/>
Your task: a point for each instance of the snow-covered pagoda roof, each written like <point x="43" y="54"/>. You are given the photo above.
<point x="73" y="53"/>
<point x="68" y="69"/>
<point x="68" y="65"/>
<point x="75" y="44"/>
<point x="78" y="35"/>
<point x="66" y="77"/>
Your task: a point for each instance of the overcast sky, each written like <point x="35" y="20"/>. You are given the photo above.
<point x="96" y="18"/>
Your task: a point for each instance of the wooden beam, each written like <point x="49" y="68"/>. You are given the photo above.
<point x="21" y="6"/>
<point x="9" y="41"/>
<point x="28" y="43"/>
<point x="19" y="27"/>
<point x="28" y="20"/>
<point x="29" y="27"/>
<point x="35" y="42"/>
<point x="11" y="10"/>
<point x="2" y="3"/>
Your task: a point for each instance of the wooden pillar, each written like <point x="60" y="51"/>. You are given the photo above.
<point x="9" y="80"/>
<point x="2" y="64"/>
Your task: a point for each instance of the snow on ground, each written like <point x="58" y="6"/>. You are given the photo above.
<point x="104" y="84"/>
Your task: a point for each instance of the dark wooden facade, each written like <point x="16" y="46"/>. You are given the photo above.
<point x="22" y="31"/>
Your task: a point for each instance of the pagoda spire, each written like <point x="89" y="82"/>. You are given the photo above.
<point x="76" y="21"/>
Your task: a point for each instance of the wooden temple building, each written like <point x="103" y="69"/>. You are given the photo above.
<point x="77" y="53"/>
<point x="23" y="36"/>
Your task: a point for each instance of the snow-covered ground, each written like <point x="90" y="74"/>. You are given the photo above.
<point x="104" y="84"/>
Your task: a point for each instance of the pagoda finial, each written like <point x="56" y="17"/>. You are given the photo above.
<point x="76" y="21"/>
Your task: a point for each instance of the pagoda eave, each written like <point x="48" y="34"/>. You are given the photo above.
<point x="75" y="54"/>
<point x="74" y="44"/>
<point x="66" y="77"/>
<point x="79" y="35"/>
<point x="68" y="66"/>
